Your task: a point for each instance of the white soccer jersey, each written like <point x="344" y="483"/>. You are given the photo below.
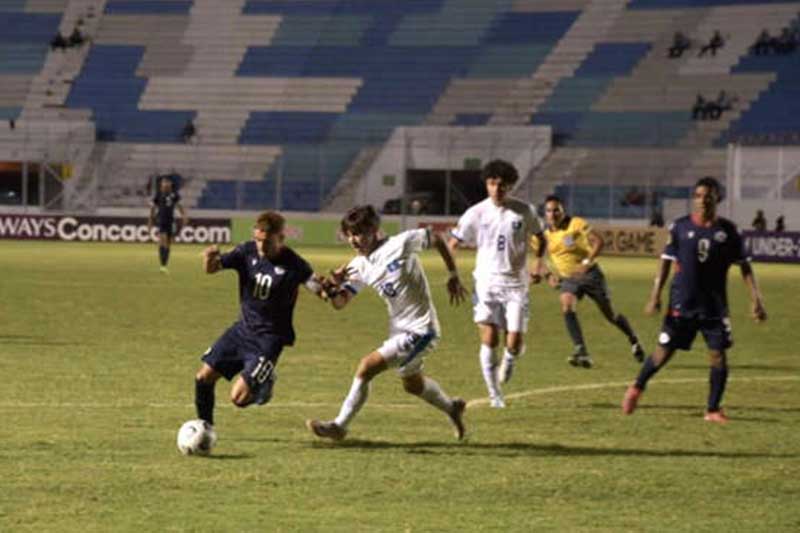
<point x="501" y="235"/>
<point x="395" y="272"/>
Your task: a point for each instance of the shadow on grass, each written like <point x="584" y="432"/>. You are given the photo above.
<point x="228" y="456"/>
<point x="735" y="367"/>
<point x="697" y="410"/>
<point x="515" y="449"/>
<point x="33" y="340"/>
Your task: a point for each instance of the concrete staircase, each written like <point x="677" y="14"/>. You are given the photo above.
<point x="528" y="94"/>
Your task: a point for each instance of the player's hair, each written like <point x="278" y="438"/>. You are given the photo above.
<point x="712" y="183"/>
<point x="500" y="169"/>
<point x="553" y="198"/>
<point x="270" y="221"/>
<point x="360" y="219"/>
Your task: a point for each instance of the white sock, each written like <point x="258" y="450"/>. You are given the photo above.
<point x="356" y="398"/>
<point x="488" y="364"/>
<point x="513" y="356"/>
<point x="434" y="395"/>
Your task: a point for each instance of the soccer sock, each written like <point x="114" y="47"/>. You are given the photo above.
<point x="204" y="400"/>
<point x="434" y="395"/>
<point x="574" y="329"/>
<point x="162" y="255"/>
<point x="166" y="255"/>
<point x="356" y="398"/>
<point x="648" y="370"/>
<point x="625" y="327"/>
<point x="717" y="379"/>
<point x="508" y="354"/>
<point x="486" y="355"/>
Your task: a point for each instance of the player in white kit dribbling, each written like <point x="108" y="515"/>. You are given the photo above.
<point x="391" y="267"/>
<point x="500" y="227"/>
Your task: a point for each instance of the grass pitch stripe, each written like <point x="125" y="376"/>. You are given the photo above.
<point x="471" y="403"/>
<point x="623" y="384"/>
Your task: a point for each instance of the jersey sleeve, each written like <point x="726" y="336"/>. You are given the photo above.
<point x="304" y="270"/>
<point x="355" y="281"/>
<point x="234" y="259"/>
<point x="177" y="198"/>
<point x="417" y="240"/>
<point x="671" y="249"/>
<point x="582" y="226"/>
<point x="534" y="222"/>
<point x="466" y="229"/>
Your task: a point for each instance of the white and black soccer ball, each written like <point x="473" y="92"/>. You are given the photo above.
<point x="196" y="437"/>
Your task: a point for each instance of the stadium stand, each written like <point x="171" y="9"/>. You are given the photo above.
<point x="289" y="97"/>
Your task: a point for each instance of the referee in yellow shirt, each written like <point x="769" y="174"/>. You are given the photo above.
<point x="573" y="247"/>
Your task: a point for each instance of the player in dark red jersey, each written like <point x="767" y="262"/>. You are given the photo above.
<point x="703" y="246"/>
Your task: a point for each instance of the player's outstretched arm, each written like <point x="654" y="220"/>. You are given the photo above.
<point x="454" y="287"/>
<point x="756" y="301"/>
<point x="212" y="261"/>
<point x="654" y="302"/>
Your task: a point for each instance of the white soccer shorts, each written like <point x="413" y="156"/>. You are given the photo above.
<point x="406" y="351"/>
<point x="506" y="308"/>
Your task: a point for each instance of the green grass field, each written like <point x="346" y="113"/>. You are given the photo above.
<point x="98" y="353"/>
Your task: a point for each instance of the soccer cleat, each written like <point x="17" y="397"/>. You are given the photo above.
<point x="718" y="417"/>
<point x="163" y="270"/>
<point x="456" y="415"/>
<point x="637" y="351"/>
<point x="497" y="402"/>
<point x="580" y="359"/>
<point x="631" y="399"/>
<point x="506" y="369"/>
<point x="326" y="430"/>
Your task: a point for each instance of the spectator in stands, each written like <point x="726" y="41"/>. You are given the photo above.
<point x="680" y="43"/>
<point x="723" y="102"/>
<point x="189" y="133"/>
<point x="763" y="43"/>
<point x="716" y="42"/>
<point x="657" y="218"/>
<point x="700" y="110"/>
<point x="12" y="124"/>
<point x="76" y="38"/>
<point x="779" y="224"/>
<point x="58" y="42"/>
<point x="785" y="43"/>
<point x="759" y="223"/>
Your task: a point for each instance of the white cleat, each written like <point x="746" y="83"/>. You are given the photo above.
<point x="497" y="402"/>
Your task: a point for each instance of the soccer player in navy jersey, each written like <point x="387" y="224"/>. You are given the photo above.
<point x="162" y="210"/>
<point x="703" y="246"/>
<point x="269" y="276"/>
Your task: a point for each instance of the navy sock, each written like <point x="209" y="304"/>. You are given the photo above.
<point x="718" y="377"/>
<point x="162" y="255"/>
<point x="574" y="329"/>
<point x="204" y="400"/>
<point x="647" y="371"/>
<point x="625" y="327"/>
<point x="166" y="255"/>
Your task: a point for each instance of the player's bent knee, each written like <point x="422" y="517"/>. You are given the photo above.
<point x="206" y="374"/>
<point x="241" y="400"/>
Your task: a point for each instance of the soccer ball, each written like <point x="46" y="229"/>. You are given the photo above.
<point x="196" y="437"/>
